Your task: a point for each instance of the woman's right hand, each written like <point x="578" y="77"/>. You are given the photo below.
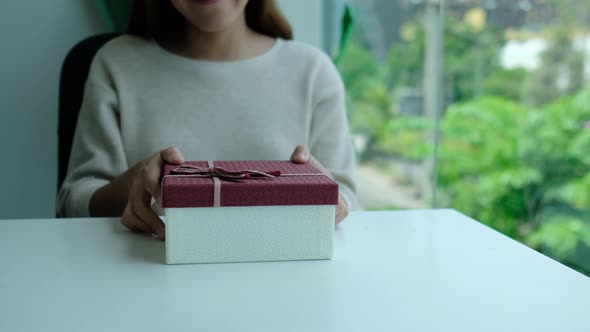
<point x="138" y="215"/>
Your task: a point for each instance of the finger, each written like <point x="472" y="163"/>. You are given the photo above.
<point x="341" y="210"/>
<point x="132" y="222"/>
<point x="171" y="155"/>
<point x="150" y="177"/>
<point x="140" y="204"/>
<point x="152" y="172"/>
<point x="300" y="155"/>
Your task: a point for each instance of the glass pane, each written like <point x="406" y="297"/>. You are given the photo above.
<point x="515" y="140"/>
<point x="383" y="70"/>
<point x="487" y="99"/>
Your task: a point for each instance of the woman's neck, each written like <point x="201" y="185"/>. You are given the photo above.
<point x="235" y="43"/>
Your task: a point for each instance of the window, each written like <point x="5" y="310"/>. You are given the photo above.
<point x="478" y="105"/>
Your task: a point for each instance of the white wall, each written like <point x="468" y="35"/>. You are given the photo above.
<point x="305" y="17"/>
<point x="35" y="37"/>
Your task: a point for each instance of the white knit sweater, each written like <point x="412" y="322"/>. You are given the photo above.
<point x="140" y="98"/>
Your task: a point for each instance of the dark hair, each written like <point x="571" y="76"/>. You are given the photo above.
<point x="159" y="19"/>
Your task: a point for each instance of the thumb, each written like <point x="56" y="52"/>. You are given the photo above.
<point x="172" y="155"/>
<point x="300" y="155"/>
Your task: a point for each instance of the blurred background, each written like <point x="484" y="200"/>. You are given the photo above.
<point x="478" y="105"/>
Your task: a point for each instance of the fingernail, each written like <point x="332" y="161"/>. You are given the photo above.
<point x="175" y="158"/>
<point x="302" y="155"/>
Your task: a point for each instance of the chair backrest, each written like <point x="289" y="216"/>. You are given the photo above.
<point x="74" y="73"/>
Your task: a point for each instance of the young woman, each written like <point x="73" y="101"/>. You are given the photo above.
<point x="214" y="79"/>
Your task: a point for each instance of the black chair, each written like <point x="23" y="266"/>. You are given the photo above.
<point x="74" y="73"/>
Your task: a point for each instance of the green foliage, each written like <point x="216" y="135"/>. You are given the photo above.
<point x="406" y="137"/>
<point x="370" y="104"/>
<point x="561" y="152"/>
<point x="560" y="57"/>
<point x="556" y="138"/>
<point x="359" y="70"/>
<point x="562" y="235"/>
<point x="368" y="99"/>
<point x="470" y="57"/>
<point x="506" y="83"/>
<point x="523" y="172"/>
<point x="513" y="153"/>
<point x="406" y="60"/>
<point x="479" y="168"/>
<point x="372" y="111"/>
<point x="115" y="13"/>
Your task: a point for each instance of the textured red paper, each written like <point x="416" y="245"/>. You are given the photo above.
<point x="178" y="192"/>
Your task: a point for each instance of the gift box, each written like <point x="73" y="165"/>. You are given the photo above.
<point x="246" y="211"/>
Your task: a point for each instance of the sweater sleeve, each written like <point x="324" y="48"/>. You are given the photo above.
<point x="97" y="154"/>
<point x="330" y="140"/>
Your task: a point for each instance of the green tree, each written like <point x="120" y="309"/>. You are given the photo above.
<point x="373" y="112"/>
<point x="405" y="137"/>
<point x="514" y="153"/>
<point x="558" y="145"/>
<point x="479" y="169"/>
<point x="470" y="57"/>
<point x="369" y="102"/>
<point x="560" y="59"/>
<point x="525" y="172"/>
<point x="506" y="83"/>
<point x="561" y="62"/>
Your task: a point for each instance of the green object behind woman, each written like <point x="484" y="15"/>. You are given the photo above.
<point x="115" y="13"/>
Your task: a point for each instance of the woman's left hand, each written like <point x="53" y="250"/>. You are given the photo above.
<point x="301" y="155"/>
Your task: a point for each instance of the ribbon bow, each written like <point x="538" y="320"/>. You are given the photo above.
<point x="222" y="173"/>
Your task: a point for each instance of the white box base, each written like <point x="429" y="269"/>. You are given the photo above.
<point x="249" y="234"/>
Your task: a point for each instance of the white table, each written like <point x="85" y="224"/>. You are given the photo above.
<point x="392" y="271"/>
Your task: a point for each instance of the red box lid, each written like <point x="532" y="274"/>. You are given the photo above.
<point x="286" y="189"/>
